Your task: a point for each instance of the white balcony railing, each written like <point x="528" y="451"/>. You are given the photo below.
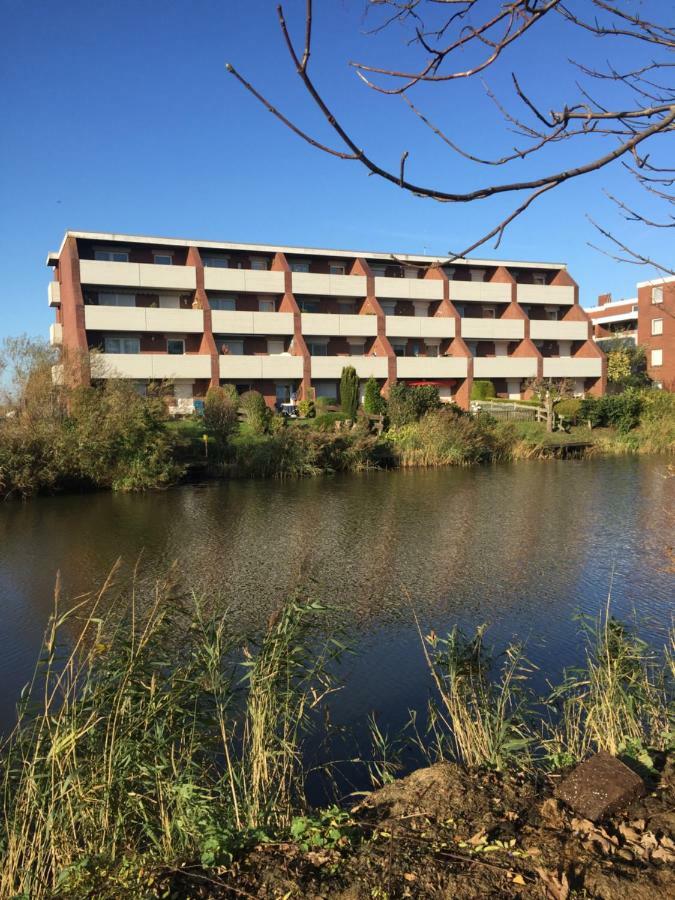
<point x="247" y="280"/>
<point x="56" y="334"/>
<point x="431" y="367"/>
<point x="344" y="325"/>
<point x="572" y="367"/>
<point x="558" y="331"/>
<point x="505" y="367"/>
<point x="486" y="291"/>
<point x="332" y="366"/>
<point x="409" y="288"/>
<point x="493" y="329"/>
<point x="136" y="318"/>
<point x="554" y="295"/>
<point x="420" y="326"/>
<point x="329" y="285"/>
<point x="224" y="322"/>
<point x="256" y="367"/>
<point x="54" y="293"/>
<point x="143" y="275"/>
<point x="159" y="366"/>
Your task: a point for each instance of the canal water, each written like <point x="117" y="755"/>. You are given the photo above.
<point x="522" y="547"/>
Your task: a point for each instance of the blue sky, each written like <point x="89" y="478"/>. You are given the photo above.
<point x="120" y="116"/>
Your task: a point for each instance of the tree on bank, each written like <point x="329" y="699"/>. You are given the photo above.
<point x="618" y="108"/>
<point x="626" y="365"/>
<point x="548" y="391"/>
<point x="349" y="391"/>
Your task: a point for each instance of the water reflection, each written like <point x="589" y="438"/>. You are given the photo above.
<point x="521" y="546"/>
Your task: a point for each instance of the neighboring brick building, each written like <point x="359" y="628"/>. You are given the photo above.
<point x="647" y="320"/>
<point x="286" y="320"/>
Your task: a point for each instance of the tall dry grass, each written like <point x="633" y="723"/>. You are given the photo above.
<point x="143" y="740"/>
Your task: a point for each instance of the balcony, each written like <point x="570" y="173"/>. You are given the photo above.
<point x="56" y="334"/>
<point x="152" y="366"/>
<point x="54" y="293"/>
<point x="256" y="281"/>
<point x="251" y="322"/>
<point x="431" y="367"/>
<point x="558" y="331"/>
<point x="572" y="367"/>
<point x="420" y="326"/>
<point x="339" y="325"/>
<point x="143" y="275"/>
<point x="409" y="288"/>
<point x="136" y="318"/>
<point x="492" y="292"/>
<point x="505" y="367"/>
<point x="493" y="329"/>
<point x="554" y="295"/>
<point x="332" y="366"/>
<point x="329" y="285"/>
<point x="254" y="368"/>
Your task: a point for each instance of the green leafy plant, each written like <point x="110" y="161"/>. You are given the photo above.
<point x="482" y="390"/>
<point x="306" y="409"/>
<point x="349" y="391"/>
<point x="256" y="411"/>
<point x="373" y="401"/>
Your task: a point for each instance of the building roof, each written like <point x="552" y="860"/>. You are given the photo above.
<point x="306" y="251"/>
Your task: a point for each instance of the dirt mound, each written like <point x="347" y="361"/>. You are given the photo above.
<point x="445" y="833"/>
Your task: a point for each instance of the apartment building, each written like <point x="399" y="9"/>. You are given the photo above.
<point x="647" y="320"/>
<point x="286" y="320"/>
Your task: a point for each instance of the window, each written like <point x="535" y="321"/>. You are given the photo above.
<point x="216" y="262"/>
<point x="552" y="314"/>
<point x="357" y="349"/>
<point x="432" y="349"/>
<point x="346" y="307"/>
<point x="162" y="259"/>
<point x="657" y="358"/>
<point x="410" y="272"/>
<point x="379" y="271"/>
<point x="336" y="269"/>
<point x="309" y="305"/>
<point x="266" y="306"/>
<point x="449" y="271"/>
<point x="399" y="349"/>
<point x="460" y="310"/>
<point x="538" y="278"/>
<point x="122" y="345"/>
<point x="657" y="326"/>
<point x="175" y="346"/>
<point x="232" y="347"/>
<point x="657" y="295"/>
<point x="105" y="299"/>
<point x="112" y="255"/>
<point x="414" y="348"/>
<point x="259" y="263"/>
<point x="388" y="307"/>
<point x="274" y="346"/>
<point x="488" y="312"/>
<point x="299" y="266"/>
<point x="224" y="304"/>
<point x="477" y="274"/>
<point x="317" y="348"/>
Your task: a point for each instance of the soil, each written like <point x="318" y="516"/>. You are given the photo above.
<point x="444" y="833"/>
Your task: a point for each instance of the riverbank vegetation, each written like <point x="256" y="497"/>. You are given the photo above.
<point x="56" y="437"/>
<point x="158" y="753"/>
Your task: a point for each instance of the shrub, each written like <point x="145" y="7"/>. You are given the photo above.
<point x="326" y="422"/>
<point x="306" y="409"/>
<point x="373" y="401"/>
<point x="322" y="404"/>
<point x="482" y="390"/>
<point x="220" y="413"/>
<point x="569" y="409"/>
<point x="256" y="411"/>
<point x="442" y="438"/>
<point x="408" y="404"/>
<point x="619" y="410"/>
<point x="349" y="391"/>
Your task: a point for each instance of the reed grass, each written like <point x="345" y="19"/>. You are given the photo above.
<point x="143" y="742"/>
